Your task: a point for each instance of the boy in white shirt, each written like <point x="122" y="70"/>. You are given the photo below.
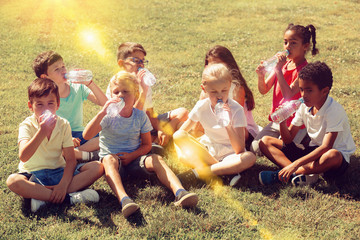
<point x="327" y="125"/>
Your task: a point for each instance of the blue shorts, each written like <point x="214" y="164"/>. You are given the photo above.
<point x="292" y="152"/>
<point x="49" y="177"/>
<point x="165" y="117"/>
<point x="79" y="135"/>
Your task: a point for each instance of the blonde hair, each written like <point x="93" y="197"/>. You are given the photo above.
<point x="216" y="71"/>
<point x="126" y="78"/>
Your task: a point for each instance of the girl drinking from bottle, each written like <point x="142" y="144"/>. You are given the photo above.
<point x="284" y="77"/>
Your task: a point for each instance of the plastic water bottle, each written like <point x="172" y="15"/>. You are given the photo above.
<point x="114" y="108"/>
<point x="46" y="114"/>
<point x="79" y="75"/>
<point x="147" y="76"/>
<point x="222" y="116"/>
<point x="286" y="110"/>
<point x="271" y="62"/>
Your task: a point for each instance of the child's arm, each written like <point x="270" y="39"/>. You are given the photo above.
<point x="264" y="85"/>
<point x="288" y="134"/>
<point x="144" y="148"/>
<point x="188" y="125"/>
<point x="326" y="145"/>
<point x="237" y="138"/>
<point x="94" y="127"/>
<point x="239" y="95"/>
<point x="96" y="96"/>
<point x="287" y="91"/>
<point x="60" y="190"/>
<point x="139" y="104"/>
<point x="27" y="148"/>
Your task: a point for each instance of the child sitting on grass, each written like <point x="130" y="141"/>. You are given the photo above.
<point x="48" y="169"/>
<point x="131" y="57"/>
<point x="125" y="146"/>
<point x="326" y="124"/>
<point x="72" y="95"/>
<point x="221" y="150"/>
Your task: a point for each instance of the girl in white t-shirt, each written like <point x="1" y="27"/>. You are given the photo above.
<point x="239" y="90"/>
<point x="221" y="150"/>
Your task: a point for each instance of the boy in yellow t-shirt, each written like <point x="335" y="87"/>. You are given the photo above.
<point x="48" y="171"/>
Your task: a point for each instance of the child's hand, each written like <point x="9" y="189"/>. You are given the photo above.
<point x="143" y="85"/>
<point x="228" y="110"/>
<point x="260" y="70"/>
<point x="286" y="172"/>
<point x="110" y="101"/>
<point x="58" y="193"/>
<point x="76" y="142"/>
<point x="125" y="158"/>
<point x="163" y="138"/>
<point x="47" y="124"/>
<point x="281" y="61"/>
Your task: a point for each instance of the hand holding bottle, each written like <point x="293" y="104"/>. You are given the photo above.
<point x="278" y="60"/>
<point x="115" y="107"/>
<point x="79" y="76"/>
<point x="284" y="111"/>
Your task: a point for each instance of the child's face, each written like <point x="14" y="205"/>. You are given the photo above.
<point x="56" y="72"/>
<point x="311" y="93"/>
<point x="294" y="44"/>
<point x="125" y="91"/>
<point x="39" y="105"/>
<point x="133" y="62"/>
<point x="217" y="89"/>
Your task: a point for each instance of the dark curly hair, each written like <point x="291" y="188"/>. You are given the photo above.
<point x="319" y="73"/>
<point x="43" y="61"/>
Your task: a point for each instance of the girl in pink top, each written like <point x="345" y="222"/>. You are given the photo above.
<point x="284" y="78"/>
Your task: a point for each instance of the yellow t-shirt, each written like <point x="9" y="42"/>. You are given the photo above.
<point x="49" y="153"/>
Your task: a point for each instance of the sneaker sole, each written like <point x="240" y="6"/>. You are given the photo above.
<point x="261" y="182"/>
<point x="190" y="200"/>
<point x="129" y="209"/>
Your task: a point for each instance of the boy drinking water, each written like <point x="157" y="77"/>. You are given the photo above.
<point x="47" y="170"/>
<point x="327" y="125"/>
<point x="125" y="146"/>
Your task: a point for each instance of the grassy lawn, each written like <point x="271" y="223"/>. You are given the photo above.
<point x="176" y="35"/>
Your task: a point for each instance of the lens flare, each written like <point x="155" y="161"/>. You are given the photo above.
<point x="90" y="39"/>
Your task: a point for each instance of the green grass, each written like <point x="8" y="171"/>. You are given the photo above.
<point x="176" y="35"/>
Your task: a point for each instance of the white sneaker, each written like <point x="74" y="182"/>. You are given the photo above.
<point x="36" y="204"/>
<point x="235" y="180"/>
<point x="302" y="180"/>
<point x="85" y="196"/>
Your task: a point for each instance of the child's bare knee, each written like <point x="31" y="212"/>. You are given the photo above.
<point x="180" y="135"/>
<point x="110" y="160"/>
<point x="13" y="181"/>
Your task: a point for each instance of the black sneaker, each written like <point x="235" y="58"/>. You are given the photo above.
<point x="128" y="206"/>
<point x="188" y="178"/>
<point x="186" y="199"/>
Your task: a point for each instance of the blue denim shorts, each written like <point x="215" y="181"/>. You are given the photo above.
<point x="79" y="135"/>
<point x="50" y="177"/>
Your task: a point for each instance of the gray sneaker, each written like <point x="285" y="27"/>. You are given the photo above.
<point x="129" y="207"/>
<point x="85" y="196"/>
<point x="186" y="199"/>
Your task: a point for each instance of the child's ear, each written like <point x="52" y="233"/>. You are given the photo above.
<point x="121" y="63"/>
<point x="43" y="76"/>
<point x="203" y="88"/>
<point x="325" y="90"/>
<point x="30" y="106"/>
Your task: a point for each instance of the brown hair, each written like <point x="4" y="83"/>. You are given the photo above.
<point x="44" y="60"/>
<point x="42" y="87"/>
<point x="127" y="48"/>
<point x="228" y="59"/>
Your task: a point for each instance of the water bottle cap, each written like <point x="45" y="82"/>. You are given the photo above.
<point x="301" y="100"/>
<point x="219" y="101"/>
<point x="287" y="52"/>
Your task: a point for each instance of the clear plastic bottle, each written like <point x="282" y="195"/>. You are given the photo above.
<point x="286" y="110"/>
<point x="114" y="108"/>
<point x="271" y="62"/>
<point x="148" y="77"/>
<point x="46" y="114"/>
<point x="79" y="75"/>
<point x="223" y="118"/>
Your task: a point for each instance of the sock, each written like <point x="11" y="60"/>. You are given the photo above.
<point x="179" y="191"/>
<point x="90" y="156"/>
<point x="85" y="156"/>
<point x="126" y="197"/>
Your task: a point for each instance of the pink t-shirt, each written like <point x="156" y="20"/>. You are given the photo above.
<point x="290" y="76"/>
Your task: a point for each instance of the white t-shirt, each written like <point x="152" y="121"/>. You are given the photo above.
<point x="148" y="100"/>
<point x="216" y="139"/>
<point x="330" y="118"/>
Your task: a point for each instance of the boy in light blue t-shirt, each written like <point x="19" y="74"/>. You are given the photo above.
<point x="125" y="146"/>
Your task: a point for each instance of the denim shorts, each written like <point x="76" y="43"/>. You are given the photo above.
<point x="292" y="152"/>
<point x="49" y="177"/>
<point x="79" y="135"/>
